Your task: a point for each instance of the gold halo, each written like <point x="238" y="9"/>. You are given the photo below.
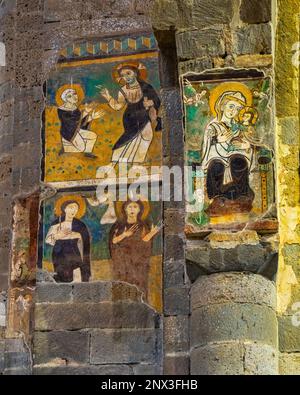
<point x="78" y="199"/>
<point x="250" y="110"/>
<point x="119" y="208"/>
<point x="140" y="68"/>
<point x="79" y="90"/>
<point x="229" y="87"/>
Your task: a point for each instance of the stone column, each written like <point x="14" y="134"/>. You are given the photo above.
<point x="233" y="316"/>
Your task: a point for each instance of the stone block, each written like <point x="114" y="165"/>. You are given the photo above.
<point x="289" y="364"/>
<point x="218" y="359"/>
<point x="256" y="11"/>
<point x="253" y="39"/>
<point x="53" y="293"/>
<point x="92" y="292"/>
<point x="143" y="369"/>
<point x="173" y="247"/>
<point x="289" y="335"/>
<point x="177" y="301"/>
<point x="172" y="104"/>
<point x="82" y="370"/>
<point x="174" y="273"/>
<point x="2" y="356"/>
<point x="71" y="346"/>
<point x="200" y="43"/>
<point x="28" y="6"/>
<point x="176" y="334"/>
<point x="64" y="316"/>
<point x="195" y="65"/>
<point x="174" y="221"/>
<point x="124" y="346"/>
<point x="233" y="322"/>
<point x="177" y="365"/>
<point x="209" y="13"/>
<point x="233" y="287"/>
<point x="260" y="360"/>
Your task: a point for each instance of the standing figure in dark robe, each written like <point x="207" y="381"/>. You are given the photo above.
<point x="75" y="125"/>
<point x="71" y="245"/>
<point x="142" y="106"/>
<point x="131" y="246"/>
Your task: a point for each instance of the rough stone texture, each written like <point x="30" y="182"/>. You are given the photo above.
<point x="68" y="346"/>
<point x="176" y="301"/>
<point x="177" y="365"/>
<point x="289" y="364"/>
<point x="260" y="359"/>
<point x="289" y="338"/>
<point x="236" y="287"/>
<point x="84" y="370"/>
<point x="147" y="370"/>
<point x="218" y="359"/>
<point x="229" y="322"/>
<point x="253" y="39"/>
<point x="63" y="316"/>
<point x="206" y="13"/>
<point x="254" y="258"/>
<point x="199" y="43"/>
<point x="176" y="334"/>
<point x="128" y="346"/>
<point x="53" y="293"/>
<point x="256" y="11"/>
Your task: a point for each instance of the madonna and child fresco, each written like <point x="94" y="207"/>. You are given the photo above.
<point x="229" y="145"/>
<point x="103" y="110"/>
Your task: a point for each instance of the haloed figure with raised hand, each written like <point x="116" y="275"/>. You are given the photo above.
<point x="131" y="244"/>
<point x="141" y="114"/>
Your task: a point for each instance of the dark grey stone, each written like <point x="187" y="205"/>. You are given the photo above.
<point x="208" y="13"/>
<point x="177" y="301"/>
<point x="92" y="292"/>
<point x="17" y="360"/>
<point x="177" y="365"/>
<point x="2" y="356"/>
<point x="176" y="334"/>
<point x="256" y="11"/>
<point x="174" y="273"/>
<point x="143" y="369"/>
<point x="200" y="43"/>
<point x="82" y="370"/>
<point x="74" y="316"/>
<point x="70" y="346"/>
<point x="172" y="104"/>
<point x="173" y="247"/>
<point x="253" y="39"/>
<point x="53" y="293"/>
<point x="228" y="322"/>
<point x="124" y="346"/>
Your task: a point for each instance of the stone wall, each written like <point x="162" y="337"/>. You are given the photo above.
<point x="193" y="35"/>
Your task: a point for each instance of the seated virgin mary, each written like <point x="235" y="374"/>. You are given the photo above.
<point x="228" y="156"/>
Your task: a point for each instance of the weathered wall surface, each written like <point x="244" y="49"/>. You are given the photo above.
<point x="193" y="35"/>
<point x="288" y="142"/>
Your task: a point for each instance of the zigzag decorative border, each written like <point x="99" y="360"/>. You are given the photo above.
<point x="109" y="47"/>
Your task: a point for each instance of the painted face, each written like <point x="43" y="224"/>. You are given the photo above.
<point x="128" y="75"/>
<point x="231" y="109"/>
<point x="72" y="210"/>
<point x="72" y="98"/>
<point x="247" y="117"/>
<point x="132" y="210"/>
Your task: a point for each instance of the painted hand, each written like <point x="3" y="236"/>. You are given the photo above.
<point x="131" y="231"/>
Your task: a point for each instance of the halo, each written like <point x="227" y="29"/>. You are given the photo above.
<point x="119" y="208"/>
<point x="229" y="87"/>
<point x="250" y="110"/>
<point x="79" y="90"/>
<point x="140" y="68"/>
<point x="78" y="199"/>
